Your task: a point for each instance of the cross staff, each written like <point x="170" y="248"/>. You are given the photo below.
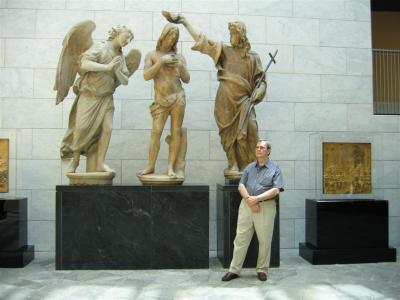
<point x="250" y="102"/>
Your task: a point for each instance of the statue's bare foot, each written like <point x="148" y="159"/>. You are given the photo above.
<point x="105" y="168"/>
<point x="171" y="173"/>
<point x="72" y="166"/>
<point x="147" y="170"/>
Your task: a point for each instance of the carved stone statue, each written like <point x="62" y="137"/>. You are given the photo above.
<point x="239" y="71"/>
<point x="168" y="70"/>
<point x="102" y="67"/>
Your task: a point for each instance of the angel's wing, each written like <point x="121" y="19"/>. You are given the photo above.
<point x="77" y="40"/>
<point x="133" y="60"/>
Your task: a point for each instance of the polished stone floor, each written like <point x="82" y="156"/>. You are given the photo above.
<point x="295" y="279"/>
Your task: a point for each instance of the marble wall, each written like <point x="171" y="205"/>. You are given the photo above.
<point x="322" y="84"/>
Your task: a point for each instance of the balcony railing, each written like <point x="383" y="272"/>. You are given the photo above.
<point x="386" y="70"/>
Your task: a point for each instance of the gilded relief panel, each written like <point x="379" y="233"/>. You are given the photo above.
<point x="347" y="168"/>
<point x="4" y="165"/>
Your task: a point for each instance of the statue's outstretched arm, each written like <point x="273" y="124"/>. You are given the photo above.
<point x="180" y="19"/>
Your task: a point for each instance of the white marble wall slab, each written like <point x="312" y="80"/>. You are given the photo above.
<point x="287" y="233"/>
<point x="46" y="143"/>
<point x="299" y="232"/>
<point x="302" y="175"/>
<point x="18" y="23"/>
<point x="24" y="143"/>
<point x="357" y="10"/>
<point x="288" y="171"/>
<point x="136" y="114"/>
<point x="294" y="87"/>
<point x="198" y="145"/>
<point x="43" y="205"/>
<point x="16" y="82"/>
<point x="390" y="146"/>
<point x="289" y="145"/>
<point x="359" y="62"/>
<point x="38" y="174"/>
<point x="273" y="8"/>
<point x="39" y="4"/>
<point x="43" y="83"/>
<point x="346" y="89"/>
<point x="56" y="23"/>
<point x="212" y="7"/>
<point x="361" y="118"/>
<point x="255" y="27"/>
<point x="392" y="195"/>
<point x="394" y="233"/>
<point x="198" y="88"/>
<point x="292" y="31"/>
<point x="275" y="116"/>
<point x="327" y="9"/>
<point x="345" y="34"/>
<point x="140" y="23"/>
<point x="95" y="4"/>
<point x="32" y="53"/>
<point x="2" y="50"/>
<point x="153" y="5"/>
<point x="42" y="235"/>
<point x="319" y="60"/>
<point x="216" y="150"/>
<point x="20" y="113"/>
<point x="325" y="117"/>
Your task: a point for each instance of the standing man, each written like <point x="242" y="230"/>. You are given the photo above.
<point x="167" y="68"/>
<point x="239" y="70"/>
<point x="260" y="184"/>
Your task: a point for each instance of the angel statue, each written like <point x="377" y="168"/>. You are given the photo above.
<point x="102" y="67"/>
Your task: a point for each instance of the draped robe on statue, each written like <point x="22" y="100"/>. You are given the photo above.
<point x="238" y="73"/>
<point x="94" y="100"/>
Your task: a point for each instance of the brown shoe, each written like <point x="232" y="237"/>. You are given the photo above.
<point x="229" y="276"/>
<point x="262" y="276"/>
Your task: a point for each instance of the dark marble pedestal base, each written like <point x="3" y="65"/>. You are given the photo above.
<point x="18" y="258"/>
<point x="14" y="251"/>
<point x="228" y="201"/>
<point x="346" y="256"/>
<point x="132" y="227"/>
<point x="340" y="231"/>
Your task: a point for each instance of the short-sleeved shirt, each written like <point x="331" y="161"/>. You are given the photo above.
<point x="259" y="179"/>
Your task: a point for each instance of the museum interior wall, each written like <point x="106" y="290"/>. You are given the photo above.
<point x="320" y="87"/>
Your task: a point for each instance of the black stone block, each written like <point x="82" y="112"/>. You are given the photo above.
<point x="346" y="231"/>
<point x="319" y="256"/>
<point x="228" y="202"/>
<point x="14" y="251"/>
<point x="18" y="258"/>
<point x="132" y="227"/>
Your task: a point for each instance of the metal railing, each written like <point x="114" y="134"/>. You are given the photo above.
<point x="386" y="72"/>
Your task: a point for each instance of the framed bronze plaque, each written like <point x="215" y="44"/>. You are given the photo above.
<point x="346" y="168"/>
<point x="4" y="148"/>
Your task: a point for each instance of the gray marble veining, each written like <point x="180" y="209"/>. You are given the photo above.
<point x="295" y="279"/>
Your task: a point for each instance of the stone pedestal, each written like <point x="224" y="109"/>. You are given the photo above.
<point x="228" y="201"/>
<point x="14" y="251"/>
<point x="132" y="227"/>
<point x="346" y="231"/>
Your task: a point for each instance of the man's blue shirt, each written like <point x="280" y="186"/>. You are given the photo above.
<point x="258" y="179"/>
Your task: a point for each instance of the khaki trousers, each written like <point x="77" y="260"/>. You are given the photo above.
<point x="248" y="222"/>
